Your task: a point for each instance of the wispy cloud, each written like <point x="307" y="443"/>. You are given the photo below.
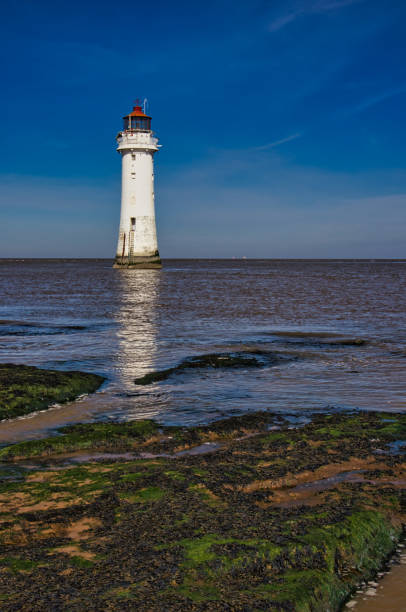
<point x="294" y="212"/>
<point x="277" y="143"/>
<point x="280" y="22"/>
<point x="238" y="152"/>
<point x="308" y="8"/>
<point x="375" y="99"/>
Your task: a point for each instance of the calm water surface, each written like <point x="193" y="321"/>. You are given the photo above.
<point x="83" y="315"/>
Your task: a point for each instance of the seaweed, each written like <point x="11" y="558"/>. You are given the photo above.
<point x="89" y="436"/>
<point x="230" y="530"/>
<point x="241" y="359"/>
<point x="25" y="389"/>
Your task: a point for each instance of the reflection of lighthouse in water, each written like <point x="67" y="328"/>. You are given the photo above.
<point x="129" y="351"/>
<point x="137" y="318"/>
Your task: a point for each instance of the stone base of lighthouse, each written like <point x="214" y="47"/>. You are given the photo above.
<point x="139" y="263"/>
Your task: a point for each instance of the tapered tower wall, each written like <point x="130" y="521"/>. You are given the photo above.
<point x="137" y="242"/>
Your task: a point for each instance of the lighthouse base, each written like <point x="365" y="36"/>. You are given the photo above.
<point x="140" y="263"/>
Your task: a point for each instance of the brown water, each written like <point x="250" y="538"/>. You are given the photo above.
<point x="341" y="325"/>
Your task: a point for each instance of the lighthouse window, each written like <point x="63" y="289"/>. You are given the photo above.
<point x="137" y="123"/>
<point x="140" y="123"/>
<point x="132" y="224"/>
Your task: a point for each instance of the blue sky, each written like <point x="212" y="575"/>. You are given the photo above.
<point x="282" y="124"/>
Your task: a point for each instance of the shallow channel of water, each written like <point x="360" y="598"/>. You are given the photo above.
<point x="340" y="327"/>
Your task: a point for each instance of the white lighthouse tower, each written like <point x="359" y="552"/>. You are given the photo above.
<point x="137" y="242"/>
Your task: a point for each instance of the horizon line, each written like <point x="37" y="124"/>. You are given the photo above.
<point x="370" y="259"/>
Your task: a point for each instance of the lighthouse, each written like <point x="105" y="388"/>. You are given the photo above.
<point x="137" y="242"/>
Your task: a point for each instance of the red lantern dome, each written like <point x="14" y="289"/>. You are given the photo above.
<point x="137" y="120"/>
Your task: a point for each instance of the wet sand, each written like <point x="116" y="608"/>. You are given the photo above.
<point x="389" y="596"/>
<point x="337" y="331"/>
<point x="242" y="514"/>
<point x="42" y="423"/>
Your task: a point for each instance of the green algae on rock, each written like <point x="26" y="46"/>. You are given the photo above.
<point x="240" y="359"/>
<point x="243" y="528"/>
<point x="24" y="389"/>
<point x="109" y="437"/>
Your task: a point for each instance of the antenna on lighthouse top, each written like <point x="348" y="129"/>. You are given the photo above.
<point x="144" y="106"/>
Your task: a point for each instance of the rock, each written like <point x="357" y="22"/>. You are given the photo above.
<point x="370" y="592"/>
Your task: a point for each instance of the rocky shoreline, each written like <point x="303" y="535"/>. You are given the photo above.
<point x="24" y="389"/>
<point x="248" y="513"/>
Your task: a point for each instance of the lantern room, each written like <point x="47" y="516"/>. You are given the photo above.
<point x="137" y="121"/>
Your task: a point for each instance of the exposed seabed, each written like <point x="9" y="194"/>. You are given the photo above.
<point x="263" y="511"/>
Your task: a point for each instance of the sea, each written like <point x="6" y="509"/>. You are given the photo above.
<point x="337" y="330"/>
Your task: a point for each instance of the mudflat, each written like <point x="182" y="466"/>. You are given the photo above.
<point x="249" y="513"/>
